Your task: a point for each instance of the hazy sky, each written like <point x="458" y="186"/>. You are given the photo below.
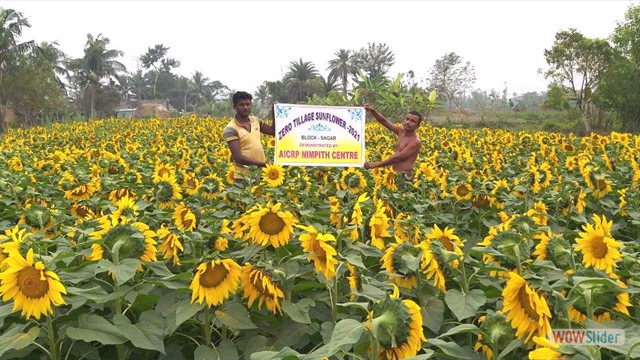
<point x="243" y="43"/>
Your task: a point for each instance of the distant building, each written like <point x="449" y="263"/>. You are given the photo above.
<point x="124" y="113"/>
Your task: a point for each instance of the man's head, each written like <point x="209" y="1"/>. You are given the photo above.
<point x="412" y="121"/>
<point x="242" y="103"/>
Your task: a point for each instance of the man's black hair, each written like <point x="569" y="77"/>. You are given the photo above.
<point x="416" y="114"/>
<point x="241" y="95"/>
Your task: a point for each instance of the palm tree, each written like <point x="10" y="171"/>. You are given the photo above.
<point x="342" y="67"/>
<point x="55" y="58"/>
<point x="298" y="79"/>
<point x="11" y="24"/>
<point x="201" y="88"/>
<point x="98" y="63"/>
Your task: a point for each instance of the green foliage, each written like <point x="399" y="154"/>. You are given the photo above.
<point x="556" y="98"/>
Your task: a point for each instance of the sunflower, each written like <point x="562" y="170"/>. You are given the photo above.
<point x="273" y="174"/>
<point x="546" y="350"/>
<point x="126" y="207"/>
<point x="166" y="190"/>
<point x="96" y="253"/>
<point x="538" y="213"/>
<point x="379" y="225"/>
<point x="334" y="211"/>
<point x="498" y="331"/>
<point x="170" y="244"/>
<point x="450" y="241"/>
<point x="82" y="191"/>
<point x="389" y="179"/>
<point x="356" y="216"/>
<point x="604" y="300"/>
<point x="39" y="218"/>
<point x="211" y="187"/>
<point x="258" y="285"/>
<point x="185" y="218"/>
<point x="623" y="202"/>
<point x="402" y="261"/>
<point x="268" y="224"/>
<point x="215" y="281"/>
<point x="135" y="238"/>
<point x="221" y="244"/>
<point x="581" y="202"/>
<point x="163" y="171"/>
<point x="397" y="326"/>
<point x="432" y="263"/>
<point x="81" y="211"/>
<point x="352" y="180"/>
<point x="32" y="288"/>
<point x="320" y="251"/>
<point x="355" y="283"/>
<point x="190" y="183"/>
<point x="10" y="242"/>
<point x="528" y="311"/>
<point x="401" y="227"/>
<point x="118" y="194"/>
<point x="602" y="186"/>
<point x="463" y="192"/>
<point x="599" y="249"/>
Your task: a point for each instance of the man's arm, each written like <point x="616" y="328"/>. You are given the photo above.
<point x="238" y="158"/>
<point x="381" y="119"/>
<point x="269" y="129"/>
<point x="231" y="136"/>
<point x="401" y="155"/>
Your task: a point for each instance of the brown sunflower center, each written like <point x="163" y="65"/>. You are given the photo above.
<point x="273" y="174"/>
<point x="258" y="280"/>
<point x="602" y="185"/>
<point x="30" y="284"/>
<point x="164" y="171"/>
<point x="271" y="223"/>
<point x="598" y="248"/>
<point x="462" y="190"/>
<point x="525" y="303"/>
<point x="213" y="276"/>
<point x="447" y="243"/>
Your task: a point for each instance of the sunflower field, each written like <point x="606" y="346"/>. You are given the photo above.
<point x="126" y="239"/>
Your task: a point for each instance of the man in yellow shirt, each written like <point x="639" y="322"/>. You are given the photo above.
<point x="242" y="134"/>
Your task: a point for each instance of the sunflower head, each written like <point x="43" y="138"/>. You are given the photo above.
<point x="259" y="285"/>
<point x="32" y="288"/>
<point x="273" y="175"/>
<point x="397" y="325"/>
<point x="498" y="331"/>
<point x="402" y="261"/>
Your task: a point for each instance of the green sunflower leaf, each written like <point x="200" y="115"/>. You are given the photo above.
<point x="235" y="316"/>
<point x="15" y="339"/>
<point x="96" y="328"/>
<point x="122" y="272"/>
<point x="204" y="352"/>
<point x="298" y="312"/>
<point x="285" y="353"/>
<point x="145" y="334"/>
<point x="464" y="305"/>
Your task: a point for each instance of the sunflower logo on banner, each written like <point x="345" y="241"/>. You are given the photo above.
<point x="319" y="135"/>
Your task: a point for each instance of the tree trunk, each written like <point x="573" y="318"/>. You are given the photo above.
<point x="92" y="110"/>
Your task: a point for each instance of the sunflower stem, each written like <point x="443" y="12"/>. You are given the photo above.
<point x="465" y="284"/>
<point x="375" y="345"/>
<point x="334" y="300"/>
<point x="53" y="343"/>
<point x="207" y="325"/>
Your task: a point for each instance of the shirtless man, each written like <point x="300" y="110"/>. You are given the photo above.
<point x="407" y="147"/>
